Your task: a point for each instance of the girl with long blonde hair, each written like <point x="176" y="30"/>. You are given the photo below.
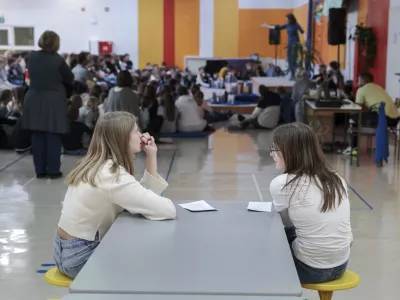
<point x="102" y="185"/>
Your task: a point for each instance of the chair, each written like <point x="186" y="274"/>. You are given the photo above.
<point x="53" y="276"/>
<point x="325" y="290"/>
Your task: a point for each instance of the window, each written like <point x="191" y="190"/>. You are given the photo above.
<point x="4" y="37"/>
<point x="24" y="36"/>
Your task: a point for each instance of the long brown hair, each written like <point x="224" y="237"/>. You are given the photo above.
<point x="110" y="141"/>
<point x="303" y="156"/>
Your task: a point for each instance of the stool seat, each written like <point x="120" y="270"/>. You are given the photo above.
<point x="349" y="280"/>
<point x="55" y="277"/>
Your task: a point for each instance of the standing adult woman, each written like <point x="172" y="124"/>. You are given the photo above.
<point x="313" y="202"/>
<point x="45" y="105"/>
<point x="292" y="28"/>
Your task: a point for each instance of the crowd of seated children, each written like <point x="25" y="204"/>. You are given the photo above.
<point x="12" y="136"/>
<point x="102" y="185"/>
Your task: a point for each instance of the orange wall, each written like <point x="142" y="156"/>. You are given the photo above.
<point x="226" y="26"/>
<point x="187" y="29"/>
<point x="151" y="34"/>
<point x="362" y="12"/>
<point x="253" y="38"/>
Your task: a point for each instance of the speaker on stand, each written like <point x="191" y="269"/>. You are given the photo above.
<point x="275" y="39"/>
<point x="337" y="28"/>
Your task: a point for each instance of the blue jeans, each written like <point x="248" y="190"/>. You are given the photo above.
<point x="71" y="255"/>
<point x="292" y="52"/>
<point x="309" y="274"/>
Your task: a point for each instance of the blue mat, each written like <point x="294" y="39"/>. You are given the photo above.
<point x="197" y="134"/>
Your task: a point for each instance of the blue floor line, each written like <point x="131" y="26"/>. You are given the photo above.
<point x="361" y="198"/>
<point x="170" y="165"/>
<point x="13" y="162"/>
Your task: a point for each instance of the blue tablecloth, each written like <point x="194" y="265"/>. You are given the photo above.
<point x="242" y="99"/>
<point x="247" y="98"/>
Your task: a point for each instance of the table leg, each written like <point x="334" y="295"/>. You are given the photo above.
<point x="333" y="133"/>
<point x="359" y="138"/>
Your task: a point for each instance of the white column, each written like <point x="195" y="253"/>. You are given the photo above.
<point x="206" y="28"/>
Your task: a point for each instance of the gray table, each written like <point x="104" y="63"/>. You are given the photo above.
<point x="169" y="297"/>
<point x="228" y="252"/>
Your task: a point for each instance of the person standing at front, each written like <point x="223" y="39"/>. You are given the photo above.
<point x="45" y="105"/>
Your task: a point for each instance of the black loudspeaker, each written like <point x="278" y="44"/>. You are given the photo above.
<point x="274" y="36"/>
<point x="337" y="26"/>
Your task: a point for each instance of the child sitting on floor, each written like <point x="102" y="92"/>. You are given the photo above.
<point x="189" y="118"/>
<point x="6" y="103"/>
<point x="102" y="185"/>
<point x="89" y="113"/>
<point x="75" y="101"/>
<point x="72" y="141"/>
<point x="207" y="113"/>
<point x="168" y="109"/>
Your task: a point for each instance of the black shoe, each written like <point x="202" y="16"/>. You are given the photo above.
<point x="55" y="175"/>
<point x="41" y="175"/>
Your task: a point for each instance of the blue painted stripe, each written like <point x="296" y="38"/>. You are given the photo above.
<point x="170" y="165"/>
<point x="13" y="162"/>
<point x="47" y="265"/>
<point x="361" y="198"/>
<point x="41" y="271"/>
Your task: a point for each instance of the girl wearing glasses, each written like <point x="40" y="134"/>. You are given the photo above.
<point x="313" y="202"/>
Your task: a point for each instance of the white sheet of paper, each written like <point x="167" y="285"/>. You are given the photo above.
<point x="197" y="206"/>
<point x="260" y="206"/>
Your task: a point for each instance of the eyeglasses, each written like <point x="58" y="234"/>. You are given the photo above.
<point x="272" y="151"/>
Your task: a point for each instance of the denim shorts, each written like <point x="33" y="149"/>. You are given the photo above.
<point x="71" y="255"/>
<point x="308" y="274"/>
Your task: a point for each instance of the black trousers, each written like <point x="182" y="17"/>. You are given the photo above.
<point x="46" y="150"/>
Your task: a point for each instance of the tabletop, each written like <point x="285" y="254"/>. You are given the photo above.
<point x="169" y="297"/>
<point x="227" y="252"/>
<point x="351" y="106"/>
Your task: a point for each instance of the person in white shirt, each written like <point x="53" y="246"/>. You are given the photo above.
<point x="102" y="185"/>
<point x="201" y="78"/>
<point x="313" y="202"/>
<point x="189" y="118"/>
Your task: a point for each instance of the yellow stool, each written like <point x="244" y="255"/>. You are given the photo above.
<point x="53" y="276"/>
<point x="325" y="290"/>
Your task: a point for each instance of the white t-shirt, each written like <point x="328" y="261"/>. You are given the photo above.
<point x="323" y="239"/>
<point x="190" y="120"/>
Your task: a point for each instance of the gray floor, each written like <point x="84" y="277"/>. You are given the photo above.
<point x="223" y="167"/>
